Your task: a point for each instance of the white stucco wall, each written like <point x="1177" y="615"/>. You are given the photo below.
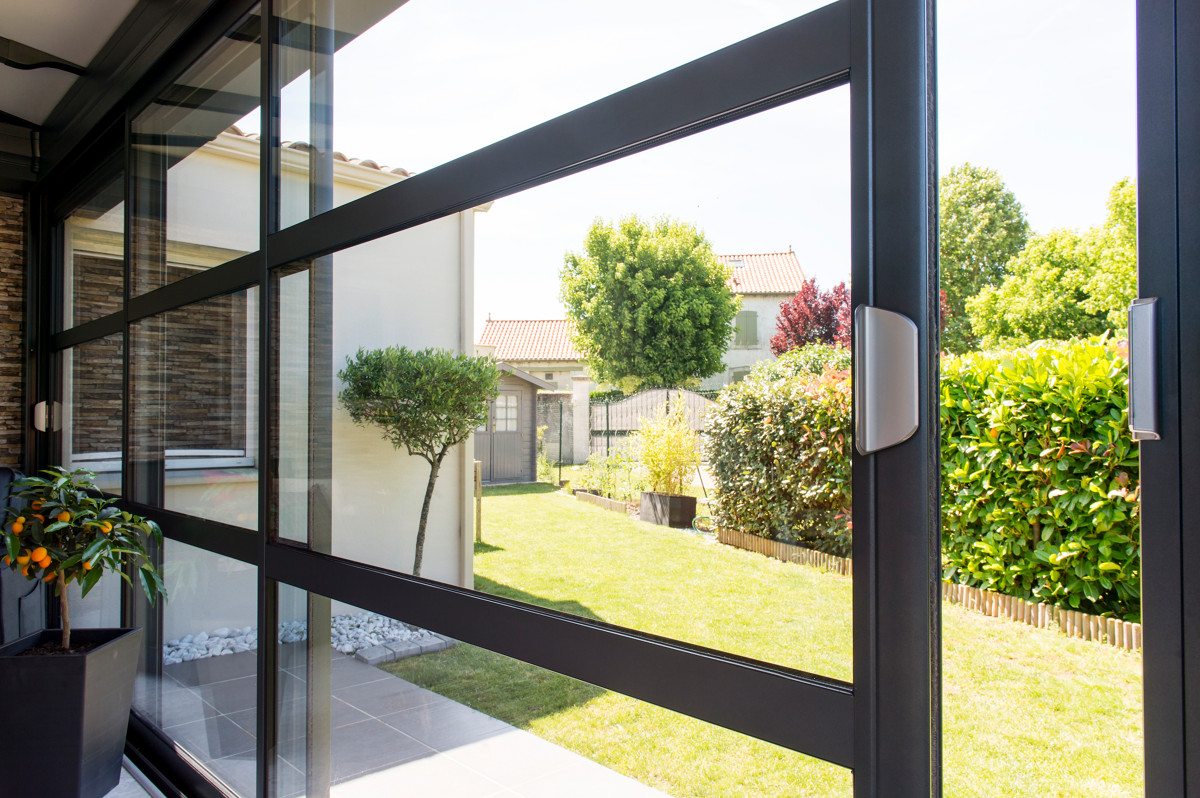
<point x="413" y="289"/>
<point x="767" y="308"/>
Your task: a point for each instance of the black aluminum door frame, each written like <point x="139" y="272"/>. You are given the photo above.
<point x="886" y="725"/>
<point x="1168" y="59"/>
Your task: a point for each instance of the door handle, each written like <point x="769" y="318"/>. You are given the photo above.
<point x="1143" y="370"/>
<point x="885" y="378"/>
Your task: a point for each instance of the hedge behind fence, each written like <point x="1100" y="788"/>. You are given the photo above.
<point x="1039" y="479"/>
<point x="779" y="450"/>
<point x="1039" y="476"/>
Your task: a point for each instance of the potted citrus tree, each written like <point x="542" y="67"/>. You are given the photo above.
<point x="67" y="694"/>
<point x="669" y="450"/>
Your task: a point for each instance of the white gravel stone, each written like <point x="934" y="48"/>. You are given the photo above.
<point x="348" y="634"/>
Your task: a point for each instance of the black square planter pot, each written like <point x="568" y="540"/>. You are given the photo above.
<point x="667" y="509"/>
<point x="64" y="716"/>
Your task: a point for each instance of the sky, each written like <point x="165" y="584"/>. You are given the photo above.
<point x="1040" y="90"/>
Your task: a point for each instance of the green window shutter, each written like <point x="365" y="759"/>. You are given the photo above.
<point x="747" y="329"/>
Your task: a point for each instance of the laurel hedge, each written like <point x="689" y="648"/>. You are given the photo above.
<point x="1040" y="476"/>
<point x="1039" y="472"/>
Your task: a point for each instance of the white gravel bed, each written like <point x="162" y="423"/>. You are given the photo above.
<point x="349" y="634"/>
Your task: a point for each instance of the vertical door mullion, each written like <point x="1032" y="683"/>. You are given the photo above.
<point x="897" y="622"/>
<point x="319" y="684"/>
<point x="1168" y="59"/>
<point x="266" y="725"/>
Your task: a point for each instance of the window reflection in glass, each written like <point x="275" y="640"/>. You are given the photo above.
<point x="196" y="173"/>
<point x="94" y="256"/>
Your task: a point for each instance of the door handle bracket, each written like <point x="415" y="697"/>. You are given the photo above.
<point x="1144" y="420"/>
<point x="885" y="379"/>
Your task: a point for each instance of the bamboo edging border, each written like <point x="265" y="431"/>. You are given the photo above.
<point x="1121" y="634"/>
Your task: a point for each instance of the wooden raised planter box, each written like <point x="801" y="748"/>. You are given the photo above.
<point x="668" y="509"/>
<point x="600" y="501"/>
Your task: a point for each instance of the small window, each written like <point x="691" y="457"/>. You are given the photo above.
<point x="549" y="376"/>
<point x="747" y="329"/>
<point x="740" y="374"/>
<point x="506" y="413"/>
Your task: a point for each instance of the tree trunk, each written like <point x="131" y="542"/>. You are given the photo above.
<point x="66" y="613"/>
<point x="434" y="467"/>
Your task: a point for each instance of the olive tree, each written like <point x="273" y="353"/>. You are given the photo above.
<point x="425" y="401"/>
<point x="650" y="303"/>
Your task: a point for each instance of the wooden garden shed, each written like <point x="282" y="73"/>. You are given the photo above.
<point x="507" y="444"/>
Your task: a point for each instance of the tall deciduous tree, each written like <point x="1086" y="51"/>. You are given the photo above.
<point x="1065" y="284"/>
<point x="650" y="303"/>
<point x="813" y="316"/>
<point x="982" y="227"/>
<point x="425" y="401"/>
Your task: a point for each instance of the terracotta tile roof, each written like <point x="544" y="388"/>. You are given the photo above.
<point x="527" y="339"/>
<point x="771" y="273"/>
<point x="304" y="146"/>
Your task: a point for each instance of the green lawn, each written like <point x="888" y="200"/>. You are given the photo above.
<point x="1026" y="711"/>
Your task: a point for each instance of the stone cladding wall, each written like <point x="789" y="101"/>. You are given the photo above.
<point x="12" y="328"/>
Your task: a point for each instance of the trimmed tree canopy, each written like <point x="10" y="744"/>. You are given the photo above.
<point x="424" y="401"/>
<point x="650" y="303"/>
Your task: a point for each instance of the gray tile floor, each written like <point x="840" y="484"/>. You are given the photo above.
<point x="385" y="732"/>
<point x="129" y="786"/>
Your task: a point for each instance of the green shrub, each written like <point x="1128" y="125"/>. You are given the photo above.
<point x="545" y="469"/>
<point x="613" y="476"/>
<point x="779" y="450"/>
<point x="808" y="359"/>
<point x="668" y="448"/>
<point x="1039" y="476"/>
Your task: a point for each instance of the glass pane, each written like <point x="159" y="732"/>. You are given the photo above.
<point x="93" y="380"/>
<point x="445" y="718"/>
<point x="195" y="409"/>
<point x="199" y="681"/>
<point x="196" y="152"/>
<point x="94" y="256"/>
<point x="470" y="73"/>
<point x="549" y="548"/>
<point x="1040" y="514"/>
<point x="401" y="290"/>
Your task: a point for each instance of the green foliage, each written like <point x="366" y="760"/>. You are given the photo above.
<point x="613" y="476"/>
<point x="545" y="469"/>
<point x="808" y="359"/>
<point x="1113" y="285"/>
<point x="1065" y="284"/>
<point x="668" y="448"/>
<point x="779" y="450"/>
<point x="1039" y="482"/>
<point x="425" y="401"/>
<point x="649" y="302"/>
<point x="1043" y="297"/>
<point x="80" y="534"/>
<point x="982" y="226"/>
